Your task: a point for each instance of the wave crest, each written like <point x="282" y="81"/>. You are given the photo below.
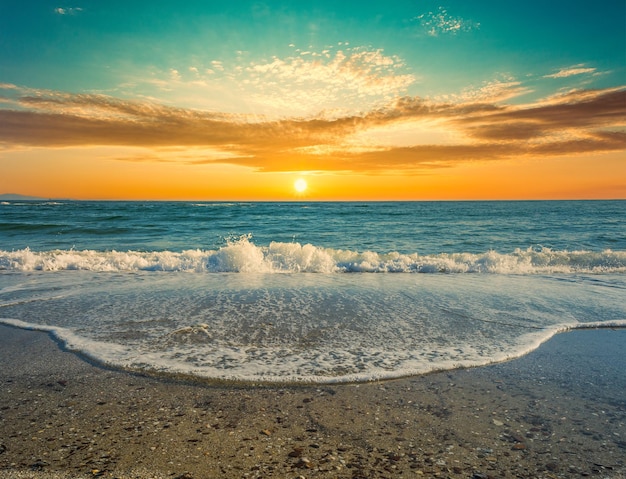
<point x="243" y="256"/>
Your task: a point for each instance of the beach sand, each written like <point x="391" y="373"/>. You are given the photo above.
<point x="557" y="412"/>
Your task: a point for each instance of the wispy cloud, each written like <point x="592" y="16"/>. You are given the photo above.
<point x="494" y="91"/>
<point x="578" y="122"/>
<point x="217" y="65"/>
<point x="441" y="22"/>
<point x="67" y="10"/>
<point x="572" y="71"/>
<point x="340" y="78"/>
<point x="345" y="76"/>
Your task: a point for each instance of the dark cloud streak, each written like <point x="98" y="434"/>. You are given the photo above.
<point x="580" y="122"/>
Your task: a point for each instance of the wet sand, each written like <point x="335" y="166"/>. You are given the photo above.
<point x="557" y="412"/>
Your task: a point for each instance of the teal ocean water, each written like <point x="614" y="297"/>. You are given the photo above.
<point x="316" y="292"/>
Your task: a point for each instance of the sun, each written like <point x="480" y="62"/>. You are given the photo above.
<point x="300" y="185"/>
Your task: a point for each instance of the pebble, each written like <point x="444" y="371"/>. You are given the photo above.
<point x="552" y="467"/>
<point x="38" y="465"/>
<point x="304" y="463"/>
<point x="297" y="452"/>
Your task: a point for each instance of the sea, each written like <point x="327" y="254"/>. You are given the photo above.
<point x="310" y="292"/>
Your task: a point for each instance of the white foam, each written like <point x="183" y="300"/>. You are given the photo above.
<point x="273" y="365"/>
<point x="243" y="256"/>
<point x="105" y="353"/>
<point x="311" y="328"/>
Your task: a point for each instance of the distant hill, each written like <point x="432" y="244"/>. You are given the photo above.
<point x="15" y="197"/>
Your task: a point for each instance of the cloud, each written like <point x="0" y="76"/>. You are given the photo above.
<point x="441" y="23"/>
<point x="490" y="92"/>
<point x="578" y="114"/>
<point x="336" y="77"/>
<point x="217" y="65"/>
<point x="571" y="71"/>
<point x="582" y="121"/>
<point x="350" y="77"/>
<point x="67" y="10"/>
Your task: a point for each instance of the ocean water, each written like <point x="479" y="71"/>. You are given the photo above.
<point x="310" y="292"/>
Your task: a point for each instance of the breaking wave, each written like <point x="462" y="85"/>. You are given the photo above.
<point x="243" y="256"/>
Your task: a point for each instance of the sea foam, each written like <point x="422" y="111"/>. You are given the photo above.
<point x="306" y="327"/>
<point x="243" y="256"/>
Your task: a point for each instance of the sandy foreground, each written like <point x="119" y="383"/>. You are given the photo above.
<point x="557" y="412"/>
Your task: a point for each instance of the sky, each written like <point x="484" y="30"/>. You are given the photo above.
<point x="238" y="100"/>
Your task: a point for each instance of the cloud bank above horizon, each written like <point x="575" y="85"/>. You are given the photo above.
<point x="575" y="122"/>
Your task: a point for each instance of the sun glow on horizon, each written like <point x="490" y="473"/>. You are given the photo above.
<point x="300" y="185"/>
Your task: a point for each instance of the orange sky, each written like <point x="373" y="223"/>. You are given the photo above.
<point x="600" y="176"/>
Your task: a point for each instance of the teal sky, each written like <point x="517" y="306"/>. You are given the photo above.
<point x="390" y="88"/>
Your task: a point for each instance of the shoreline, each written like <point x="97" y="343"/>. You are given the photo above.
<point x="189" y="377"/>
<point x="558" y="411"/>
